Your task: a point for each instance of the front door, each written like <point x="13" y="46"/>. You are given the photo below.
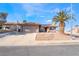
<point x="45" y="29"/>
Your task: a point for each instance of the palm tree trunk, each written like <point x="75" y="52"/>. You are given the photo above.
<point x="61" y="27"/>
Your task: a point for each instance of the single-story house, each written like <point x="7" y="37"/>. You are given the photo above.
<point x="25" y="27"/>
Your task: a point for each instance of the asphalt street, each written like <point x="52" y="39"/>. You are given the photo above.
<point x="51" y="50"/>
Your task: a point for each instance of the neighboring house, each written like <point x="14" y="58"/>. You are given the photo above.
<point x="75" y="29"/>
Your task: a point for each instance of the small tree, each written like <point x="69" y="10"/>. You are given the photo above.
<point x="3" y="17"/>
<point x="24" y="21"/>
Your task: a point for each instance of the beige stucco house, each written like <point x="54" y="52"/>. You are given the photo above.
<point x="21" y="27"/>
<point x="28" y="27"/>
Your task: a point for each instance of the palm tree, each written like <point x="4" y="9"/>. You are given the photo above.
<point x="61" y="17"/>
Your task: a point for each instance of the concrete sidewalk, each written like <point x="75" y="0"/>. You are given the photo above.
<point x="48" y="50"/>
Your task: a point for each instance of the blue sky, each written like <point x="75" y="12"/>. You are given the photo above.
<point x="37" y="12"/>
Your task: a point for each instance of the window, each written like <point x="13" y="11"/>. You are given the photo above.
<point x="51" y="28"/>
<point x="8" y="27"/>
<point x="0" y="27"/>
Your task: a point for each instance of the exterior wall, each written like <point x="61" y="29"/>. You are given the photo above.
<point x="10" y="27"/>
<point x="28" y="29"/>
<point x="31" y="29"/>
<point x="13" y="28"/>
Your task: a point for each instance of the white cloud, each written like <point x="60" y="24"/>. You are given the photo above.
<point x="49" y="21"/>
<point x="32" y="9"/>
<point x="36" y="9"/>
<point x="42" y="16"/>
<point x="56" y="10"/>
<point x="68" y="9"/>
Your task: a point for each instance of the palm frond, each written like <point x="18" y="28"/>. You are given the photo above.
<point x="63" y="16"/>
